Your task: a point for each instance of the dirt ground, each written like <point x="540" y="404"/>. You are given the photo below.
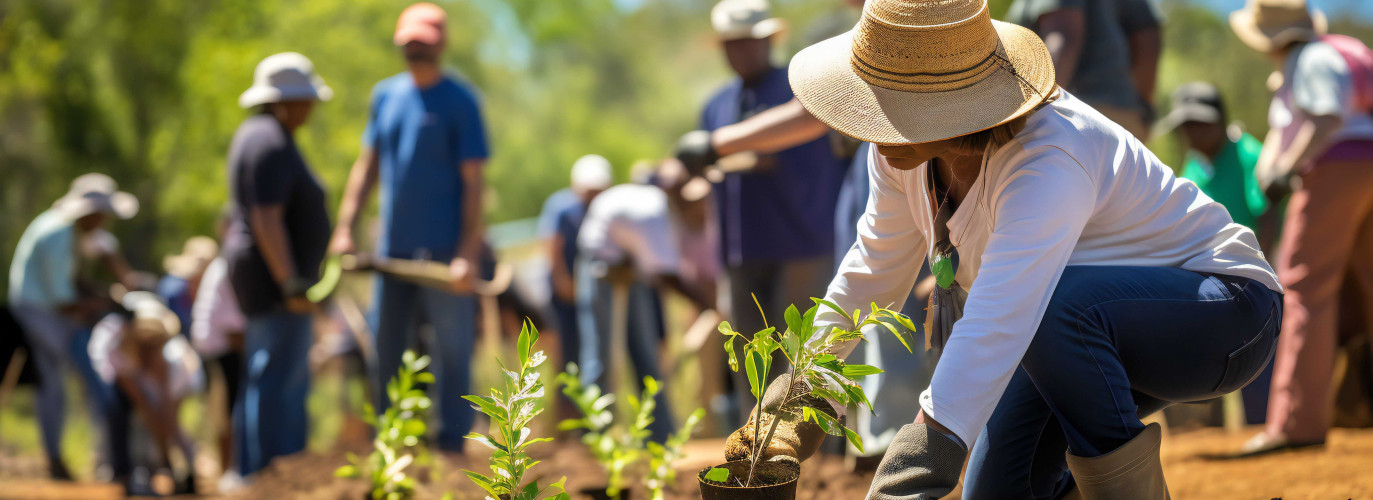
<point x="1342" y="470"/>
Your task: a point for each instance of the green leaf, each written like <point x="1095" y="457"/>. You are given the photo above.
<point x="717" y="474"/>
<point x="522" y="349"/>
<point x="858" y="371"/>
<point x="347" y="471"/>
<point x="486" y="483"/>
<point x="725" y="328"/>
<point x="755" y="370"/>
<point x="729" y="349"/>
<point x="941" y="266"/>
<point x="424" y="378"/>
<point x="791" y="345"/>
<point x="413" y="428"/>
<point x="487" y="405"/>
<point x="792" y="317"/>
<point x="835" y="307"/>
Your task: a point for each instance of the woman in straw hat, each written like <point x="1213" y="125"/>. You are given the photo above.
<point x="274" y="248"/>
<point x="1100" y="288"/>
<point x="1321" y="134"/>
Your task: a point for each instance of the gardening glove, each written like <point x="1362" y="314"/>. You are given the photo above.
<point x="695" y="151"/>
<point x="920" y="463"/>
<point x="794" y="441"/>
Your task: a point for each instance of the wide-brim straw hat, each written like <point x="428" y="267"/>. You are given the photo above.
<point x="288" y="76"/>
<point x="152" y="320"/>
<point x="196" y="254"/>
<point x="915" y="71"/>
<point x="77" y="205"/>
<point x="745" y="20"/>
<point x="1267" y="25"/>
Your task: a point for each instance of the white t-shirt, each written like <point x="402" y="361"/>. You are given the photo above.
<point x="111" y="361"/>
<point x="1072" y="188"/>
<point x="631" y="221"/>
<point x="215" y="316"/>
<point x="1317" y="80"/>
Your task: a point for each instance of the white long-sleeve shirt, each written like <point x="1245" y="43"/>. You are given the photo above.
<point x="1072" y="188"/>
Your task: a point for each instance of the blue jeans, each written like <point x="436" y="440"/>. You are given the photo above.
<point x="1115" y="344"/>
<point x="565" y="314"/>
<point x="270" y="419"/>
<point x="643" y="334"/>
<point x="401" y="307"/>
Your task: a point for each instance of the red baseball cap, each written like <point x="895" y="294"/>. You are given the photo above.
<point x="422" y="22"/>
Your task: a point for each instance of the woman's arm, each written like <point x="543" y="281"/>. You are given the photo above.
<point x="883" y="264"/>
<point x="1039" y="213"/>
<point x="269" y="231"/>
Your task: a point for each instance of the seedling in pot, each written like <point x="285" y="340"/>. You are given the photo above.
<point x="511" y="408"/>
<point x="815" y="373"/>
<point x="399" y="431"/>
<point x="619" y="449"/>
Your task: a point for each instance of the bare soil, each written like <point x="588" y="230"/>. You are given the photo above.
<point x="1341" y="470"/>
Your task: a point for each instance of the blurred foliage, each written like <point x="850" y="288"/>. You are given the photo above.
<point x="146" y="90"/>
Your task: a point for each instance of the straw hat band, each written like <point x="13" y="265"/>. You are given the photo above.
<point x="926" y="58"/>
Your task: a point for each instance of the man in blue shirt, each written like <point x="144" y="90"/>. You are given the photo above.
<point x="777" y="221"/>
<point x="426" y="143"/>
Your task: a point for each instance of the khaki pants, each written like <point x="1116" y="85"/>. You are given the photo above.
<point x="1329" y="230"/>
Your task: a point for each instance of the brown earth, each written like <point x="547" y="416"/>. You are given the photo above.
<point x="1342" y="470"/>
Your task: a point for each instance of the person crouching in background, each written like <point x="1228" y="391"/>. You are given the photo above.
<point x="150" y="369"/>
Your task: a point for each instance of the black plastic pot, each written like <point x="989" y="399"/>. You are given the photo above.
<point x="599" y="493"/>
<point x="771" y="481"/>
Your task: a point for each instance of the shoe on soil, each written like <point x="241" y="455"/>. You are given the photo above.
<point x="1130" y="472"/>
<point x="1264" y="443"/>
<point x="57" y="471"/>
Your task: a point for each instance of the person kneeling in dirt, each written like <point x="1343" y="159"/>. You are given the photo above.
<point x="1100" y="287"/>
<point x="151" y="370"/>
<point x="632" y="237"/>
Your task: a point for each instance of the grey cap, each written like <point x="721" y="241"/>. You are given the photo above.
<point x="1194" y="102"/>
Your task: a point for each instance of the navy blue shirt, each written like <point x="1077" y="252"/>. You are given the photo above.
<point x="783" y="210"/>
<point x="422" y="137"/>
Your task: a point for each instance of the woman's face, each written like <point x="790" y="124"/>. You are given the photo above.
<point x="909" y="156"/>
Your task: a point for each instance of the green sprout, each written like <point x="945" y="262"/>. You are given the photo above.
<point x="815" y="371"/>
<point x="399" y="430"/>
<point x="510" y="409"/>
<point x="661" y="457"/>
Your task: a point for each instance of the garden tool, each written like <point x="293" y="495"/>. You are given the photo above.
<point x="427" y="272"/>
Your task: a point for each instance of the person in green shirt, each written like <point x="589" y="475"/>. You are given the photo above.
<point x="1220" y="158"/>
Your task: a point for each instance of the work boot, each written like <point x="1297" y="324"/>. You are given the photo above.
<point x="1131" y="472"/>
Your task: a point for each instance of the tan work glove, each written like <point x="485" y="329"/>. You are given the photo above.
<point x="794" y="441"/>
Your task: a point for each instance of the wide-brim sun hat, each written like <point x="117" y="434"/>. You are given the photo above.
<point x="916" y="71"/>
<point x="1267" y="25"/>
<point x="77" y="205"/>
<point x="196" y="254"/>
<point x="284" y="77"/>
<point x="152" y="320"/>
<point x="745" y="20"/>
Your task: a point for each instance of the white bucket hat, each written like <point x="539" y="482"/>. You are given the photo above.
<point x="95" y="192"/>
<point x="591" y="173"/>
<point x="287" y="76"/>
<point x="745" y="19"/>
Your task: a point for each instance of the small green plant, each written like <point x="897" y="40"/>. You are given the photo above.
<point x="815" y="371"/>
<point x="510" y="409"/>
<point x="399" y="430"/>
<point x="619" y="451"/>
<point x="661" y="457"/>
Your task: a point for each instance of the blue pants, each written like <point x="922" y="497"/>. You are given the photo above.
<point x="643" y="334"/>
<point x="401" y="308"/>
<point x="1115" y="344"/>
<point x="271" y="419"/>
<point x="565" y="314"/>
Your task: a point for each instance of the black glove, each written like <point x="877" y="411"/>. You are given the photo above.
<point x="695" y="151"/>
<point x="794" y="440"/>
<point x="920" y="463"/>
<point x="296" y="286"/>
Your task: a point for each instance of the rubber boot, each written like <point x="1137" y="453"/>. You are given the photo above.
<point x="1131" y="472"/>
